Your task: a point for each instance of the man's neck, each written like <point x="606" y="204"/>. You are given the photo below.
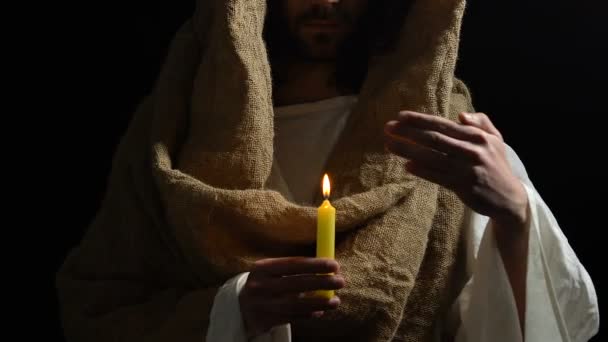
<point x="306" y="82"/>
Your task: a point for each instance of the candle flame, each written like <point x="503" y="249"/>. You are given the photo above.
<point x="326" y="187"/>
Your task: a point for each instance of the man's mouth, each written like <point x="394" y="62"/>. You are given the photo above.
<point x="329" y="25"/>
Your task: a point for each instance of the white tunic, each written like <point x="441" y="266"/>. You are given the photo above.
<point x="561" y="303"/>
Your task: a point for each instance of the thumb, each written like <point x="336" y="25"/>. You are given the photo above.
<point x="480" y="120"/>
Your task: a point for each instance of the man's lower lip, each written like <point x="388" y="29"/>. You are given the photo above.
<point x="329" y="24"/>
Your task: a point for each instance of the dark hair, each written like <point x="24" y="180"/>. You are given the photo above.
<point x="377" y="33"/>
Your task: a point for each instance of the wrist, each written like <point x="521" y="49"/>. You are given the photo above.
<point x="516" y="216"/>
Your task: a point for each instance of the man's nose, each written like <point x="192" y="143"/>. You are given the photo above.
<point x="328" y="3"/>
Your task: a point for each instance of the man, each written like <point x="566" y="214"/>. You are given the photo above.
<point x="207" y="229"/>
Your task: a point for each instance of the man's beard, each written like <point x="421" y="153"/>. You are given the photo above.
<point x="323" y="49"/>
<point x="288" y="42"/>
<point x="322" y="46"/>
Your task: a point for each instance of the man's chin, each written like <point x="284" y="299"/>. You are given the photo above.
<point x="320" y="57"/>
<point x="318" y="50"/>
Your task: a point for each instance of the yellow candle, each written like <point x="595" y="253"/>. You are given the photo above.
<point x="326" y="231"/>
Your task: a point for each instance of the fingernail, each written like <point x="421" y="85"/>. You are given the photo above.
<point x="339" y="280"/>
<point x="404" y="114"/>
<point x="472" y="118"/>
<point x="332" y="264"/>
<point x="334" y="301"/>
<point x="318" y="314"/>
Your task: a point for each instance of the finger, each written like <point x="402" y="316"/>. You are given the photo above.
<point x="442" y="125"/>
<point x="435" y="140"/>
<point x="295" y="265"/>
<point x="291" y="306"/>
<point x="318" y="314"/>
<point x="410" y="150"/>
<point x="303" y="283"/>
<point x="480" y="120"/>
<point x="304" y="316"/>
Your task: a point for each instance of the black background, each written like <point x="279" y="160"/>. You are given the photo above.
<point x="537" y="68"/>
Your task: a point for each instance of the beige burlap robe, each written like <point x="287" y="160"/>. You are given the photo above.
<point x="189" y="202"/>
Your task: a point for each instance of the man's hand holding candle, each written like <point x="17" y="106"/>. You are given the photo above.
<point x="282" y="290"/>
<point x="274" y="291"/>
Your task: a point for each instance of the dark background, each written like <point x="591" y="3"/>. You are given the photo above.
<point x="537" y="68"/>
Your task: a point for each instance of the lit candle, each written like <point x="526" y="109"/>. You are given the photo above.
<point x="326" y="231"/>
